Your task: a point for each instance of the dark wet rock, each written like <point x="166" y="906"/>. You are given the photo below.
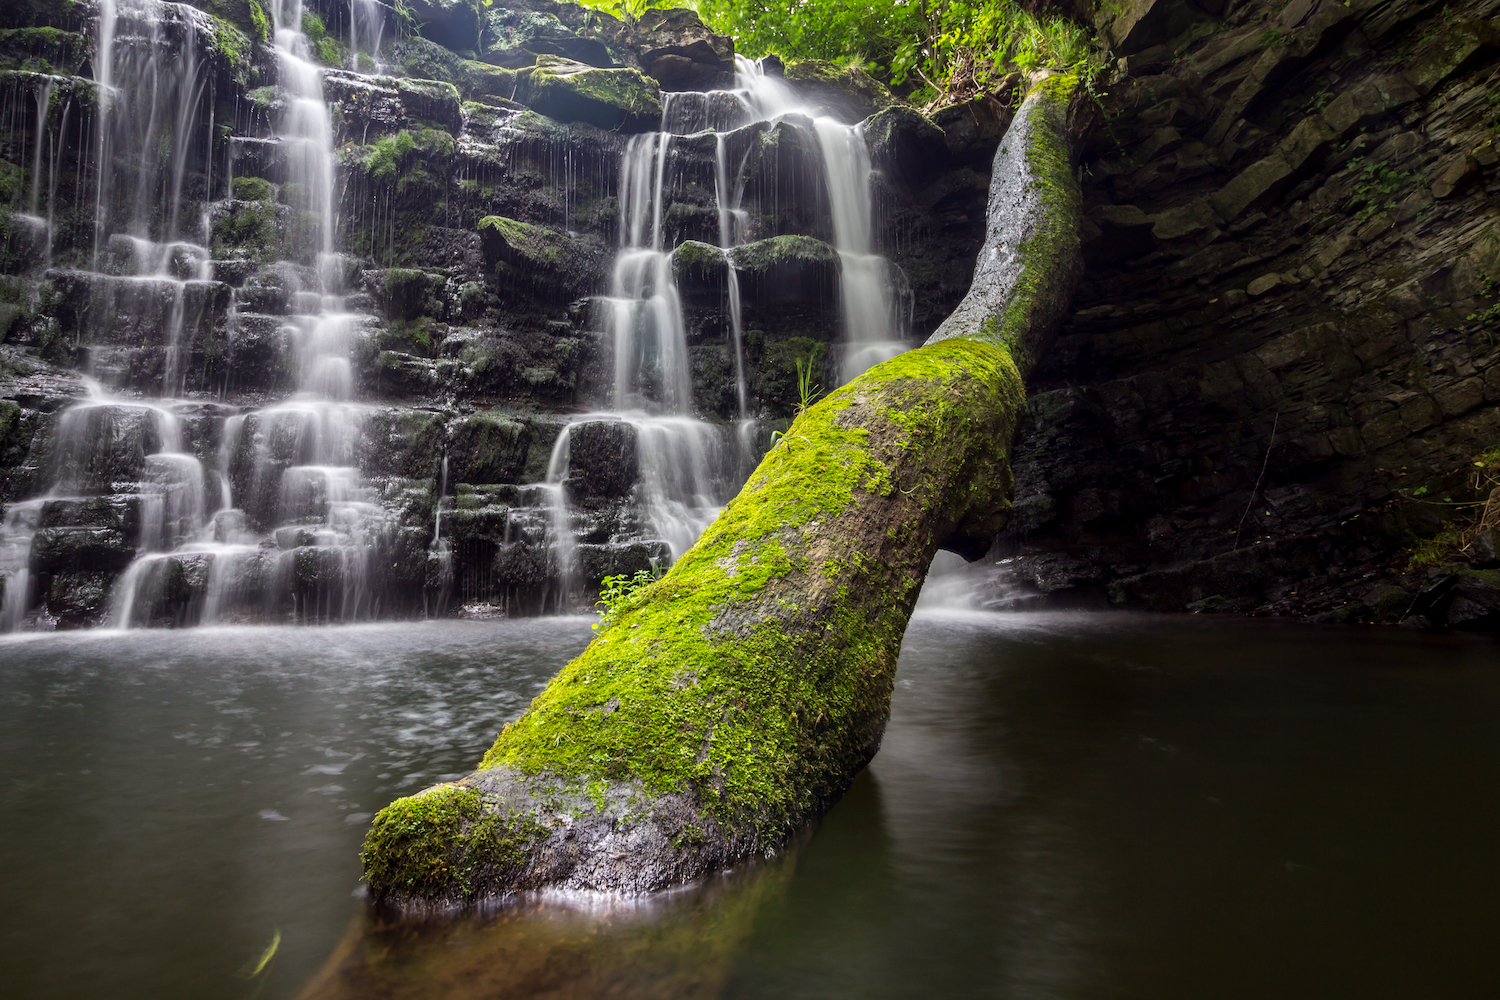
<point x="409" y="293"/>
<point x="434" y="101"/>
<point x="972" y="130"/>
<point x="787" y="269"/>
<point x="401" y="442"/>
<point x="907" y="145"/>
<point x="545" y="262"/>
<point x="596" y="561"/>
<point x="515" y="37"/>
<point x="601" y="459"/>
<point x="454" y="24"/>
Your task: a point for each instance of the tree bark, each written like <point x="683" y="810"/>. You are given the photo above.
<point x="729" y="703"/>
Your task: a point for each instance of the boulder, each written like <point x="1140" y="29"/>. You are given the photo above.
<point x="850" y="95"/>
<point x="615" y="99"/>
<point x="681" y="53"/>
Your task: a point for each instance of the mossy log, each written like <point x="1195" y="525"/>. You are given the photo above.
<point x="726" y="705"/>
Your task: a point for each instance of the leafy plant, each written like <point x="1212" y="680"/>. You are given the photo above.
<point x="1375" y="187"/>
<point x="807" y="392"/>
<point x="629" y="11"/>
<point x="941" y="52"/>
<point x="615" y="593"/>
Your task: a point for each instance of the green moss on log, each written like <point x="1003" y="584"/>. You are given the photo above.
<point x="444" y="838"/>
<point x="699" y="682"/>
<point x="1051" y="166"/>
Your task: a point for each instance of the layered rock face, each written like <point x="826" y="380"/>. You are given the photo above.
<point x="1277" y="390"/>
<point x="319" y="358"/>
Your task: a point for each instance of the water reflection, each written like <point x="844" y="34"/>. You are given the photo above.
<point x="1064" y="806"/>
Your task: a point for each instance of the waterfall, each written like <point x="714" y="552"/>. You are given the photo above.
<point x="306" y="538"/>
<point x="687" y="468"/>
<point x="189" y="510"/>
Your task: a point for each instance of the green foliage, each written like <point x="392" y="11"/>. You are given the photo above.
<point x="252" y="189"/>
<point x="615" y="595"/>
<point x="1274" y="37"/>
<point x="948" y="51"/>
<point x="807" y="391"/>
<point x="312" y="27"/>
<point x="1490" y="316"/>
<point x="629" y="11"/>
<point x="1375" y="187"/>
<point x="390" y="158"/>
<point x="331" y="51"/>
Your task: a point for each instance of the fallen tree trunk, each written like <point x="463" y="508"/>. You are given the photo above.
<point x="730" y="702"/>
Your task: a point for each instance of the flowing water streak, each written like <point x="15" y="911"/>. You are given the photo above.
<point x="868" y="309"/>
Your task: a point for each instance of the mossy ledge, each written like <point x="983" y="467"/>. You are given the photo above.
<point x="733" y="700"/>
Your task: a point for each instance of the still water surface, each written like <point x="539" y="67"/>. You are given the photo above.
<point x="1064" y="806"/>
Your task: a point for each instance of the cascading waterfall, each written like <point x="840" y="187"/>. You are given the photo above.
<point x="309" y="515"/>
<point x="686" y="472"/>
<point x="219" y="512"/>
<point x="872" y="330"/>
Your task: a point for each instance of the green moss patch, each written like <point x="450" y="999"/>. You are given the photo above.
<point x="443" y="843"/>
<point x="624" y="99"/>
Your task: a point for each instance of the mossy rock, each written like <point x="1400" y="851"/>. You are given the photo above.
<point x="624" y="100"/>
<point x="246" y="229"/>
<point x="433" y="101"/>
<point x="246" y="15"/>
<point x="515" y="38"/>
<point x="487" y="448"/>
<point x="554" y="266"/>
<point x="483" y="80"/>
<point x="849" y="95"/>
<point x="407" y="293"/>
<point x="401" y="442"/>
<point x="43" y="50"/>
<point x="252" y="189"/>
